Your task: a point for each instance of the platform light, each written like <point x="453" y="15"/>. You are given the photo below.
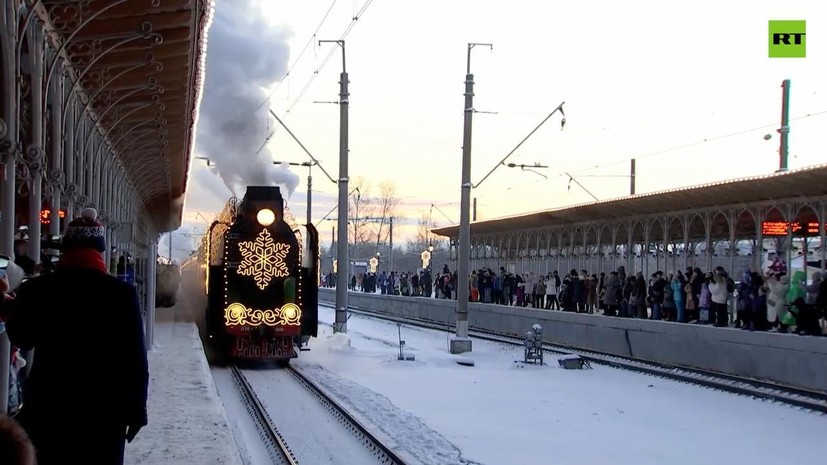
<point x="265" y="217"/>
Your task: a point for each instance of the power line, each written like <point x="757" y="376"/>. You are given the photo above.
<point x="310" y="41"/>
<point x="684" y="146"/>
<point x="658" y="152"/>
<point x="329" y="55"/>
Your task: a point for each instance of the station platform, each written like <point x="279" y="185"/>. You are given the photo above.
<point x="187" y="421"/>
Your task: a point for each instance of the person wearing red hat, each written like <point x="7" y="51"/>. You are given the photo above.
<point x="70" y="412"/>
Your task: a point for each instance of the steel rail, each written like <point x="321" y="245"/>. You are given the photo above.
<point x="767" y="390"/>
<point x="279" y="451"/>
<point x="383" y="453"/>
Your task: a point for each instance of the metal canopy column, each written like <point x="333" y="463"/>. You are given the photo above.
<point x="8" y="153"/>
<point x="34" y="151"/>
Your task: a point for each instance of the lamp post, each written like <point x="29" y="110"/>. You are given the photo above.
<point x="462" y="343"/>
<point x="340" y="324"/>
<point x="530" y="168"/>
<point x="309" y="165"/>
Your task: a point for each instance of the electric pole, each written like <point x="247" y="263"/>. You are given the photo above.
<point x="785" y="125"/>
<point x="340" y="324"/>
<point x="462" y="343"/>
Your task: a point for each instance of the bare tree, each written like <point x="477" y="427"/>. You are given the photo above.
<point x="423" y="238"/>
<point x="360" y="206"/>
<point x="419" y="241"/>
<point x="386" y="205"/>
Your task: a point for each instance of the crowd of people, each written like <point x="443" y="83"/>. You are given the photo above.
<point x="40" y="314"/>
<point x="766" y="300"/>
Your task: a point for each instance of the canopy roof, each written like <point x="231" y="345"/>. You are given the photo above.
<point x="140" y="65"/>
<point x="801" y="183"/>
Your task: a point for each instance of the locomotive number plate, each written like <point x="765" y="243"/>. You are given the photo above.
<point x="274" y="348"/>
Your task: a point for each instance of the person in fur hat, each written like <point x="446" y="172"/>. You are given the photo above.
<point x="70" y="417"/>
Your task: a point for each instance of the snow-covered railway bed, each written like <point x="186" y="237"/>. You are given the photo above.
<point x="315" y="427"/>
<point x="760" y="389"/>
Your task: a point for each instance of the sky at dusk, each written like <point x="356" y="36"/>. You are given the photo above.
<point x="686" y="89"/>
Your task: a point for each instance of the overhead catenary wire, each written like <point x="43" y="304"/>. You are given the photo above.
<point x="328" y="56"/>
<point x="684" y="146"/>
<point x="575" y="172"/>
<point x="310" y="41"/>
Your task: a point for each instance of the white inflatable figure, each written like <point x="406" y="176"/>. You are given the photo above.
<point x="777" y="298"/>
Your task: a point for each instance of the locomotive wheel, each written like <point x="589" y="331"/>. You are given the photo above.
<point x="284" y="363"/>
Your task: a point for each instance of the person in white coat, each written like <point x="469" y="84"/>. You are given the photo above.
<point x="719" y="296"/>
<point x="777" y="298"/>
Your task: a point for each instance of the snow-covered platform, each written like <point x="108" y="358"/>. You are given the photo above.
<point x="783" y="358"/>
<point x="187" y="421"/>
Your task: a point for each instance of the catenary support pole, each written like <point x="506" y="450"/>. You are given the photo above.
<point x="340" y="324"/>
<point x="462" y="343"/>
<point x="632" y="177"/>
<point x="785" y="125"/>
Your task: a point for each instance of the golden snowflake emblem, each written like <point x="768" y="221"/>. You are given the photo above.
<point x="263" y="259"/>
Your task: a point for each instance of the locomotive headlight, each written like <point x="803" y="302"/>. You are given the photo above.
<point x="265" y="217"/>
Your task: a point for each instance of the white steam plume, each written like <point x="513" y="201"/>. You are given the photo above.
<point x="245" y="55"/>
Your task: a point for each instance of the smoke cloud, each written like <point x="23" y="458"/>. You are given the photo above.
<point x="244" y="55"/>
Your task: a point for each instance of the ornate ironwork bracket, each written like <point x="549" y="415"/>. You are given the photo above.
<point x="150" y="60"/>
<point x="146" y="33"/>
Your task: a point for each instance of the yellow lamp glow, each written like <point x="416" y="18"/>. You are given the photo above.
<point x="236" y="314"/>
<point x="265" y="217"/>
<point x="263" y="259"/>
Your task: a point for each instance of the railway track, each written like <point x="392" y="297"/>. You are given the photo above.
<point x="766" y="390"/>
<point x="281" y="453"/>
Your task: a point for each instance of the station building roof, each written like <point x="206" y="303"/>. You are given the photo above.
<point x="800" y="184"/>
<point x="140" y="65"/>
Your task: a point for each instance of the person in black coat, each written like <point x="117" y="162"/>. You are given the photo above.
<point x="86" y="393"/>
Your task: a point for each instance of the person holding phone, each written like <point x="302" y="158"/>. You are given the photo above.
<point x="71" y="414"/>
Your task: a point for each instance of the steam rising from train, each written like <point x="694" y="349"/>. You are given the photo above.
<point x="245" y="54"/>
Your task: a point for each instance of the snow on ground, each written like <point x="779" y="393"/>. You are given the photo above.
<point x="500" y="412"/>
<point x="187" y="421"/>
<point x="311" y="432"/>
<point x="251" y="446"/>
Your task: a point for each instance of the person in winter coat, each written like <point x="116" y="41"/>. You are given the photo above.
<point x="676" y="287"/>
<point x="719" y="295"/>
<point x="613" y="285"/>
<point x="757" y="320"/>
<point x="669" y="309"/>
<point x="590" y="283"/>
<point x="743" y="304"/>
<point x="705" y="301"/>
<point x="813" y="287"/>
<point x="627" y="308"/>
<point x="638" y="298"/>
<point x="777" y="299"/>
<point x="794" y="293"/>
<point x="80" y="303"/>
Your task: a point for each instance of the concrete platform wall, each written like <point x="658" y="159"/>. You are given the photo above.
<point x="784" y="358"/>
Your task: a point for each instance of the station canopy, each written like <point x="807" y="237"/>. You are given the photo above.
<point x="738" y="194"/>
<point x="140" y="65"/>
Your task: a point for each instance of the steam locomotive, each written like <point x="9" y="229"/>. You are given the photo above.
<point x="261" y="279"/>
